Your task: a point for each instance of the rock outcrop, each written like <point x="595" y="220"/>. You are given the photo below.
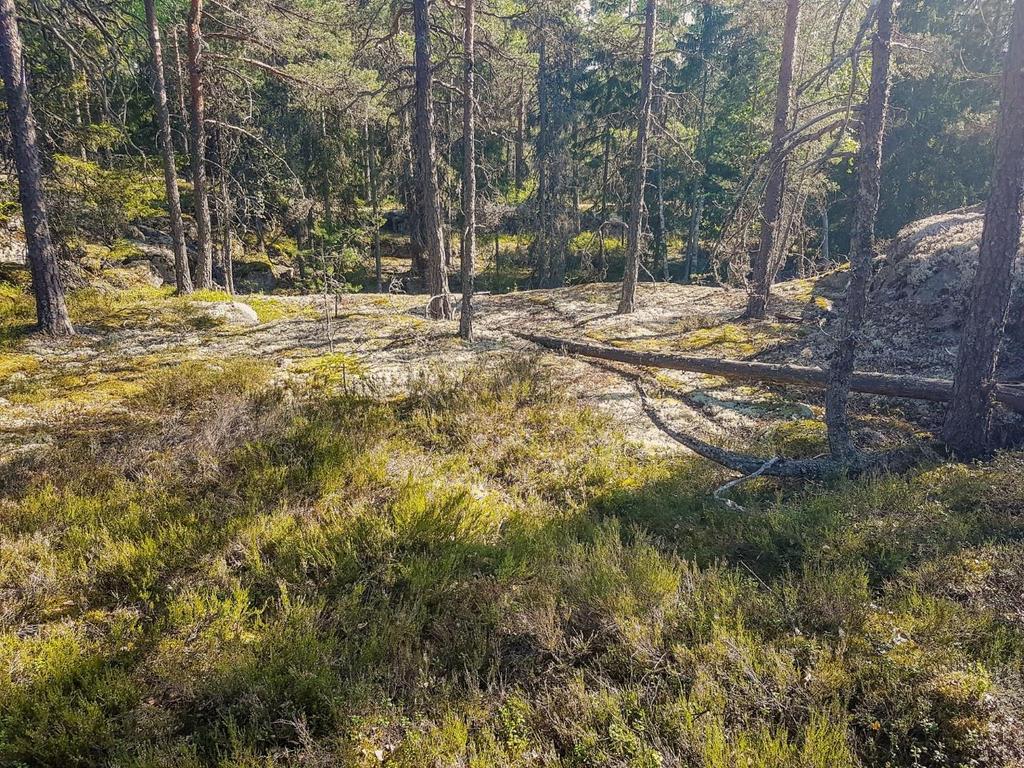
<point x="923" y="286"/>
<point x="929" y="270"/>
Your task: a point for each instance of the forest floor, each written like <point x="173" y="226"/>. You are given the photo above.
<point x="246" y="537"/>
<point x="382" y="345"/>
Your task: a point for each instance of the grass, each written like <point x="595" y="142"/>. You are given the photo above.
<point x="482" y="573"/>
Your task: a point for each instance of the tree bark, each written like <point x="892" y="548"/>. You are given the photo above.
<point x="51" y="309"/>
<point x="761" y="285"/>
<point x="520" y="141"/>
<point x="968" y="424"/>
<point x="227" y="264"/>
<point x="862" y="246"/>
<point x="180" y="89"/>
<point x="826" y="237"/>
<point x="627" y="304"/>
<point x="888" y="385"/>
<point x="182" y="275"/>
<point x="468" y="172"/>
<point x="658" y="229"/>
<point x="375" y="210"/>
<point x="204" y="262"/>
<point x="426" y="161"/>
<point x="602" y="254"/>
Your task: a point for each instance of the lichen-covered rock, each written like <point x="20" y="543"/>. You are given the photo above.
<point x="158" y="255"/>
<point x="921" y="293"/>
<point x="930" y="268"/>
<point x="231" y="312"/>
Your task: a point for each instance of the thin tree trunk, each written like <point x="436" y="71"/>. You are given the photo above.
<point x="633" y="247"/>
<point x="426" y="158"/>
<point x="761" y="286"/>
<point x="77" y="102"/>
<point x="968" y="424"/>
<point x="862" y="246"/>
<point x="375" y="209"/>
<point x="602" y="254"/>
<point x="540" y="245"/>
<point x="826" y="237"/>
<point x="179" y="75"/>
<point x="520" y="150"/>
<point x="658" y="229"/>
<point x="51" y="310"/>
<point x="182" y="276"/>
<point x="468" y="172"/>
<point x="225" y="215"/>
<point x="204" y="263"/>
<point x="701" y="152"/>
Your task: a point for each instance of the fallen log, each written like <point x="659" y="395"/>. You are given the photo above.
<point x="887" y="384"/>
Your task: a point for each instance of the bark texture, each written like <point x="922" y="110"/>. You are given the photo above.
<point x="771" y="206"/>
<point x="634" y="245"/>
<point x="889" y="385"/>
<point x="426" y="163"/>
<point x="204" y="242"/>
<point x="182" y="275"/>
<point x="51" y="310"/>
<point x="968" y="424"/>
<point x="468" y="171"/>
<point x="862" y="245"/>
<point x="520" y="140"/>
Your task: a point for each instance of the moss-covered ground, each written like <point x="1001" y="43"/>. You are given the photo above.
<point x="249" y="559"/>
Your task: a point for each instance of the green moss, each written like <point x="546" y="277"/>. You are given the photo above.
<point x="482" y="572"/>
<point x="330" y="371"/>
<point x="270" y="310"/>
<point x="802" y="438"/>
<point x="11" y="364"/>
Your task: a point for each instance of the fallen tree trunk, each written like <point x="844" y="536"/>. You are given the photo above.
<point x="890" y="385"/>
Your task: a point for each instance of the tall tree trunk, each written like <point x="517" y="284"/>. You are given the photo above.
<point x="826" y="237"/>
<point x="520" y="141"/>
<point x="701" y="153"/>
<point x="204" y="261"/>
<point x="409" y="189"/>
<point x="468" y="171"/>
<point x="375" y="210"/>
<point x="602" y="253"/>
<point x="660" y="230"/>
<point x="182" y="276"/>
<point x="968" y="424"/>
<point x="51" y="310"/>
<point x="763" y="277"/>
<point x="227" y="259"/>
<point x="426" y="159"/>
<point x="76" y="100"/>
<point x="179" y="75"/>
<point x="540" y="246"/>
<point x="633" y="245"/>
<point x="862" y="246"/>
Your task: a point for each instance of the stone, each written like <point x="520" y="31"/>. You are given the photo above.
<point x="13" y="249"/>
<point x="159" y="256"/>
<point x="230" y="312"/>
<point x="254" y="277"/>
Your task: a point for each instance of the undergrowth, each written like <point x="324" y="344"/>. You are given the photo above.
<point x="481" y="573"/>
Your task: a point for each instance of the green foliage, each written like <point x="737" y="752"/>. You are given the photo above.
<point x="87" y="199"/>
<point x="482" y="571"/>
